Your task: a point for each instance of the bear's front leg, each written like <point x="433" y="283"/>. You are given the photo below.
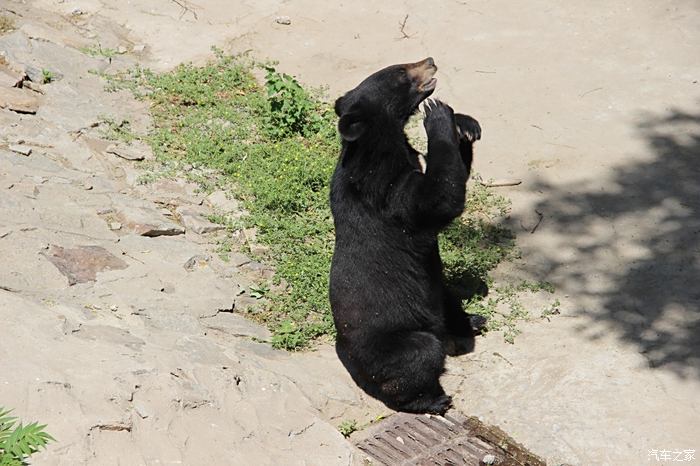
<point x="443" y="190"/>
<point x="469" y="131"/>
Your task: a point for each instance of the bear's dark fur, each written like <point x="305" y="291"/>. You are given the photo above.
<point x="391" y="307"/>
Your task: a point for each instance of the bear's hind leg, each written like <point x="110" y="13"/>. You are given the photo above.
<point x="459" y="333"/>
<point x="408" y="372"/>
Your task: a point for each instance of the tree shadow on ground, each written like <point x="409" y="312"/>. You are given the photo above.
<point x="646" y="220"/>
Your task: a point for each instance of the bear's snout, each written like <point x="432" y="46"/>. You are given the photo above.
<point x="422" y="72"/>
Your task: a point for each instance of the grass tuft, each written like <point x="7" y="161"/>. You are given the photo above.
<point x="116" y="130"/>
<point x="97" y="50"/>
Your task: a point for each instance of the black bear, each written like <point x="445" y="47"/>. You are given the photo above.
<point x="394" y="315"/>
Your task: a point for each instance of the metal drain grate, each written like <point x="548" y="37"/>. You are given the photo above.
<point x="426" y="440"/>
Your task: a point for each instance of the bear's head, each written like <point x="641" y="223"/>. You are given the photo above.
<point x="385" y="100"/>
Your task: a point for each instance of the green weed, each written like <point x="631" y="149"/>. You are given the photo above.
<point x="217" y="218"/>
<point x="47" y="76"/>
<point x="504" y="310"/>
<point x="224" y="247"/>
<point x="18" y="441"/>
<point x="114" y="130"/>
<point x="553" y="309"/>
<point x="346" y="428"/>
<point x="276" y="143"/>
<point x="350" y="426"/>
<point x="96" y="50"/>
<point x="292" y="109"/>
<point x="259" y="292"/>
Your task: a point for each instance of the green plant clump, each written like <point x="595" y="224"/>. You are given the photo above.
<point x="17" y="441"/>
<point x="292" y="108"/>
<point x="47" y="76"/>
<point x="97" y="50"/>
<point x="504" y="310"/>
<point x="116" y="130"/>
<point x="346" y="428"/>
<point x="276" y="145"/>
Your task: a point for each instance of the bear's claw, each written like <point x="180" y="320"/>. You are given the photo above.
<point x="438" y="115"/>
<point x="467" y="127"/>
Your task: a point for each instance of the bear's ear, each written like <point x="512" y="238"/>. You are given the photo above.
<point x="351" y="126"/>
<point x="338" y="106"/>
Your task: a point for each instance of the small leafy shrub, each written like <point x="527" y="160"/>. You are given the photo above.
<point x="292" y="109"/>
<point x="346" y="428"/>
<point x="17" y="441"/>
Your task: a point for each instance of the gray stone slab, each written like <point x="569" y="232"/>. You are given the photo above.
<point x="82" y="264"/>
<point x="18" y="100"/>
<point x="147" y="221"/>
<point x="194" y="221"/>
<point x="129" y="152"/>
